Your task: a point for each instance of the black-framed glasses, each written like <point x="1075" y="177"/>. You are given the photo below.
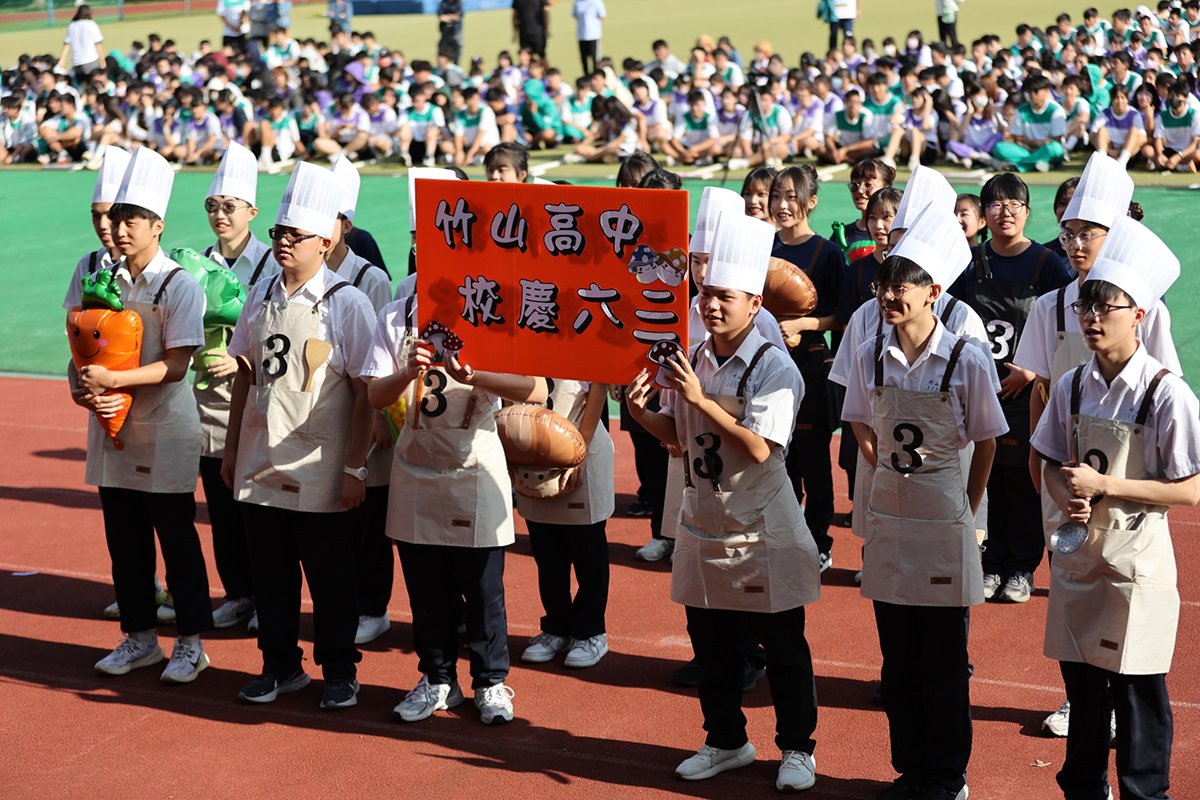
<point x="290" y="237"/>
<point x="896" y="290"/>
<point x="1084" y="238"/>
<point x="1095" y="309"/>
<point x="228" y="207"/>
<point x="1013" y="207"/>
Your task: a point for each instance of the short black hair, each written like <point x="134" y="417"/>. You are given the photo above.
<point x="127" y="211"/>
<point x="635" y="167"/>
<point x="1005" y="186"/>
<point x="898" y="269"/>
<point x="510" y="154"/>
<point x="660" y="179"/>
<point x="1103" y="292"/>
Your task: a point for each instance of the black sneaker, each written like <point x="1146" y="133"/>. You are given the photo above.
<point x="339" y="694"/>
<point x="265" y="688"/>
<point x="688" y="676"/>
<point x="638" y="508"/>
<point x="750" y="678"/>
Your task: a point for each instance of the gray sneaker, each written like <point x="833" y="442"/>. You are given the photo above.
<point x="188" y="660"/>
<point x="991" y="586"/>
<point x="587" y="652"/>
<point x="1057" y="723"/>
<point x="544" y="648"/>
<point x="233" y="612"/>
<point x="494" y="704"/>
<point x="1018" y="588"/>
<point x="129" y="655"/>
<point x="425" y="698"/>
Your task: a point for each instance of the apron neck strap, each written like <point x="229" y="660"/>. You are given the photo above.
<point x="762" y="350"/>
<point x="1060" y="311"/>
<point x="954" y="354"/>
<point x="209" y="251"/>
<point x="93" y="261"/>
<point x="409" y="303"/>
<point x="1077" y="389"/>
<point x="879" y="361"/>
<point x="1036" y="278"/>
<point x="983" y="270"/>
<point x="361" y="274"/>
<point x="270" y="289"/>
<point x="1148" y="401"/>
<point x="262" y="262"/>
<point x="946" y="312"/>
<point x="162" y="289"/>
<point x="330" y="292"/>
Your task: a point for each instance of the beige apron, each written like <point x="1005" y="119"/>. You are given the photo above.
<point x="162" y="432"/>
<point x="293" y="443"/>
<point x="673" y="499"/>
<point x="920" y="547"/>
<point x="212" y="401"/>
<point x="1114" y="602"/>
<point x="449" y="480"/>
<point x="1070" y="351"/>
<point x="742" y="543"/>
<point x="592" y="499"/>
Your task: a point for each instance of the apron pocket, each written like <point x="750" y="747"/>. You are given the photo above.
<point x="735" y="571"/>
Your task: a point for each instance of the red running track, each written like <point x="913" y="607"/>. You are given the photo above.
<point x="617" y="728"/>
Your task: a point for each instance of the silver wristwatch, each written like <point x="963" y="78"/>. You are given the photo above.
<point x="356" y="472"/>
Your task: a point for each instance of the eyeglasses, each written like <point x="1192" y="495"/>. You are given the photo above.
<point x="1013" y="207"/>
<point x="290" y="237"/>
<point x="896" y="290"/>
<point x="859" y="185"/>
<point x="227" y="208"/>
<point x="1094" y="309"/>
<point x="1084" y="238"/>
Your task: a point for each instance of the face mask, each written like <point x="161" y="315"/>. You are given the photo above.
<point x="913" y="43"/>
<point x="982" y="100"/>
<point x="889" y="50"/>
<point x="836" y="83"/>
<point x="1178" y="102"/>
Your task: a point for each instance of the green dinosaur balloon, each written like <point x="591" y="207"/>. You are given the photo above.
<point x="101" y="290"/>
<point x="224" y="294"/>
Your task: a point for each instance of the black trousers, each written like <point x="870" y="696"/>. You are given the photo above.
<point x="811" y="471"/>
<point x="589" y="54"/>
<point x="131" y="520"/>
<point x="439" y="578"/>
<point x="848" y="457"/>
<point x="650" y="463"/>
<point x="231" y="550"/>
<point x="926" y="692"/>
<point x="374" y="561"/>
<point x="717" y="637"/>
<point x="843" y="26"/>
<point x="558" y="548"/>
<point x="1015" y="541"/>
<point x="1144" y="733"/>
<point x="948" y="32"/>
<point x="283" y="541"/>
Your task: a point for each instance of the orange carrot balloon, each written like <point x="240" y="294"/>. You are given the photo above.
<point x="103" y="332"/>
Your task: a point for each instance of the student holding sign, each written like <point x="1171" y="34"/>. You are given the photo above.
<point x="918" y="396"/>
<point x="1121" y="439"/>
<point x="449" y="508"/>
<point x="297" y="443"/>
<point x="733" y="409"/>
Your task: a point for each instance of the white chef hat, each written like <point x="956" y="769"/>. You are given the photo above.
<point x="541" y="181"/>
<point x="423" y="173"/>
<point x="741" y="252"/>
<point x="714" y="202"/>
<point x="147" y="182"/>
<point x="934" y="241"/>
<point x="112" y="170"/>
<point x="926" y="186"/>
<point x="1135" y="259"/>
<point x="237" y="176"/>
<point x="311" y="200"/>
<point x="1104" y="192"/>
<point x="348" y="176"/>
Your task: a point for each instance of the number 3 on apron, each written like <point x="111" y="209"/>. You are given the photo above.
<point x="742" y="541"/>
<point x="920" y="546"/>
<point x="296" y="427"/>
<point x="450" y="482"/>
<point x="162" y="432"/>
<point x="1114" y="602"/>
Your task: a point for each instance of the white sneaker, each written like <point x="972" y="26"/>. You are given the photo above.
<point x="166" y="611"/>
<point x="233" y="612"/>
<point x="544" y="647"/>
<point x="655" y="550"/>
<point x="1112" y="729"/>
<point x="826" y="561"/>
<point x="112" y="610"/>
<point x="1042" y="166"/>
<point x="797" y="771"/>
<point x="858" y="578"/>
<point x="991" y="586"/>
<point x="710" y="761"/>
<point x="573" y="158"/>
<point x="587" y="652"/>
<point x="130" y="654"/>
<point x="495" y="704"/>
<point x="1057" y="723"/>
<point x="738" y="163"/>
<point x="371" y="628"/>
<point x="426" y="698"/>
<point x="188" y="660"/>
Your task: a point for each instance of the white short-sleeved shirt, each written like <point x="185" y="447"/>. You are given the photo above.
<point x="1172" y="451"/>
<point x="374" y="282"/>
<point x="773" y="392"/>
<point x="83" y="35"/>
<point x="406" y="287"/>
<point x="1035" y="351"/>
<point x="345" y="319"/>
<point x="245" y="264"/>
<point x="387" y="343"/>
<point x="230" y="12"/>
<point x="864" y="322"/>
<point x="182" y="304"/>
<point x="976" y="406"/>
<point x="74" y="294"/>
<point x="588" y="18"/>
